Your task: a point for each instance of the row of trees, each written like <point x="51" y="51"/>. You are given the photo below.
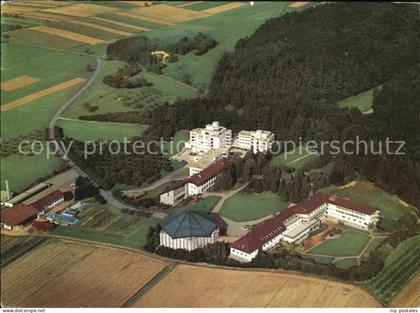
<point x="137" y="50"/>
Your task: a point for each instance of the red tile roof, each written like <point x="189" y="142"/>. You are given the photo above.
<point x="48" y="199"/>
<point x="351" y="205"/>
<point x="18" y="214"/>
<point x="209" y="172"/>
<point x="272" y="227"/>
<point x="43" y="225"/>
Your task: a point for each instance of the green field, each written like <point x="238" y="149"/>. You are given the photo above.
<point x="295" y="160"/>
<point x="401" y="265"/>
<point x="346" y="263"/>
<point x="363" y="101"/>
<point x="319" y="259"/>
<point x="243" y="206"/>
<point x="91" y="130"/>
<point x="85" y="30"/>
<point x="35" y="38"/>
<point x="22" y="171"/>
<point x="365" y="192"/>
<point x="109" y="99"/>
<point x="175" y="145"/>
<point x="205" y="5"/>
<point x="52" y="68"/>
<point x="349" y="243"/>
<point x="226" y="28"/>
<point x="205" y="205"/>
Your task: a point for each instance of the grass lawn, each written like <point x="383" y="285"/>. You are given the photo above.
<point x="346" y="263"/>
<point x="363" y="101"/>
<point x="176" y="145"/>
<point x="366" y="192"/>
<point x="400" y="267"/>
<point x="349" y="243"/>
<point x="109" y="99"/>
<point x="294" y="160"/>
<point x="91" y="130"/>
<point x="22" y="171"/>
<point x="374" y="244"/>
<point x="205" y="205"/>
<point x="243" y="207"/>
<point x="319" y="259"/>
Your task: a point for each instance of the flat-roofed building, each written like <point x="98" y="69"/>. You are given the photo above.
<point x="256" y="141"/>
<point x="213" y="136"/>
<point x="175" y="193"/>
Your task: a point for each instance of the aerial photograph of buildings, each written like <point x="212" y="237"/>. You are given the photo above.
<point x="210" y="155"/>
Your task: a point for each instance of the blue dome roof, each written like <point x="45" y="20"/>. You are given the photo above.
<point x="188" y="224"/>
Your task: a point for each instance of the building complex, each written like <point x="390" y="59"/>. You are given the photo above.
<point x="296" y="223"/>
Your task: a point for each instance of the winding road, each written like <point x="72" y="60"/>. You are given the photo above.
<point x="104" y="193"/>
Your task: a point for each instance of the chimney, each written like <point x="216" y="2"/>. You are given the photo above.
<point x="333" y="197"/>
<point x="9" y="196"/>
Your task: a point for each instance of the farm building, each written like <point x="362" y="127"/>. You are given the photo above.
<point x="41" y="225"/>
<point x="19" y="214"/>
<point x="49" y="201"/>
<point x="175" y="193"/>
<point x="28" y="193"/>
<point x="206" y="179"/>
<point x="188" y="230"/>
<point x="296" y="223"/>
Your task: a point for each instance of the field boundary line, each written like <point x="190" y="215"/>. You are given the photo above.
<point x="149" y="285"/>
<point x="102" y="123"/>
<point x="68" y="35"/>
<point x="41" y="94"/>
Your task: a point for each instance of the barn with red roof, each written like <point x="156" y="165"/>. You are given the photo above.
<point x="18" y="214"/>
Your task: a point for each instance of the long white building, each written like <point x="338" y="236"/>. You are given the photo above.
<point x="174" y="194"/>
<point x="188" y="230"/>
<point x="206" y="179"/>
<point x="213" y="136"/>
<point x="296" y="223"/>
<point x="256" y="141"/>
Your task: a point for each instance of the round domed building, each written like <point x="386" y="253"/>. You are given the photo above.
<point x="188" y="230"/>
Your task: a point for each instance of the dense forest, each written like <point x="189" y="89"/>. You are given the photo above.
<point x="288" y="76"/>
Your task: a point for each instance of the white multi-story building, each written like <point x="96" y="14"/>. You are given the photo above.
<point x="205" y="179"/>
<point x="296" y="223"/>
<point x="257" y="141"/>
<point x="174" y="194"/>
<point x="188" y="230"/>
<point x="213" y="136"/>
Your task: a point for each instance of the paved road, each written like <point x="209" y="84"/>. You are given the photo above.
<point x="104" y="193"/>
<point x="179" y="174"/>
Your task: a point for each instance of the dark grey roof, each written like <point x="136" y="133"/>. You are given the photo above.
<point x="188" y="224"/>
